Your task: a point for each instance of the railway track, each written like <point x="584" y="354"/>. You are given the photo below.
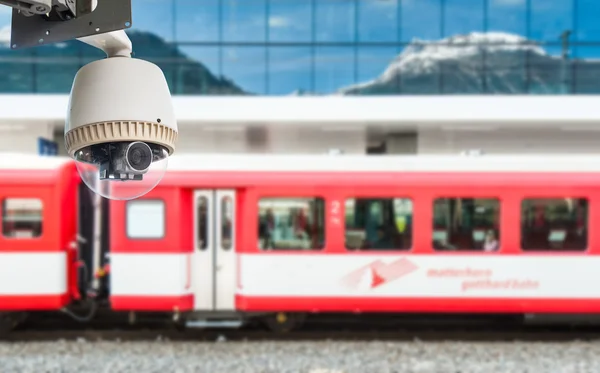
<point x="113" y="327"/>
<point x="312" y="332"/>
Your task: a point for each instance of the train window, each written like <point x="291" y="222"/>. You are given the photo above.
<point x="466" y="224"/>
<point x="201" y="216"/>
<point x="145" y="219"/>
<point x="226" y="222"/>
<point x="379" y="224"/>
<point x="22" y="218"/>
<point x="554" y="224"/>
<point x="291" y="223"/>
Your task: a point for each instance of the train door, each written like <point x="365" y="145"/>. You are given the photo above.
<point x="214" y="258"/>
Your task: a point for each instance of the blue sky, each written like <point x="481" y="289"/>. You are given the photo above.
<point x="290" y="21"/>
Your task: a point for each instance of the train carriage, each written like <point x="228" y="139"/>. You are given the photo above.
<point x="38" y="261"/>
<point x="227" y="238"/>
<point x="256" y="234"/>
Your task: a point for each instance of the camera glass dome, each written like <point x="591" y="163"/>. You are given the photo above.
<point x="122" y="170"/>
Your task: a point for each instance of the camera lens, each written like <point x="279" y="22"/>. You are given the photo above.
<point x="139" y="156"/>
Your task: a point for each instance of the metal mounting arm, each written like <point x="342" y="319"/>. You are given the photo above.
<point x="114" y="43"/>
<point x="108" y="16"/>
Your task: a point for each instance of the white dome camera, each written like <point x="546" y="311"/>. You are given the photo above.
<point x="120" y="126"/>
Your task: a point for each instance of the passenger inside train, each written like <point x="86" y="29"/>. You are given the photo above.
<point x="384" y="239"/>
<point x="554" y="224"/>
<point x="383" y="224"/>
<point x="466" y="224"/>
<point x="291" y="224"/>
<point x="491" y="243"/>
<point x="459" y="224"/>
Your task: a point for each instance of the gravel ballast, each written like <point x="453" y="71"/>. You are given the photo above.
<point x="305" y="357"/>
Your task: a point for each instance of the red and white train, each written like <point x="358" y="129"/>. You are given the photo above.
<point x="228" y="238"/>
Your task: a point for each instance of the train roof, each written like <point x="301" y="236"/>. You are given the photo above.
<point x="342" y="163"/>
<point x="385" y="163"/>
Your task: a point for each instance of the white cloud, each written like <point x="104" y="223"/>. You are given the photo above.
<point x="5" y="35"/>
<point x="279" y="21"/>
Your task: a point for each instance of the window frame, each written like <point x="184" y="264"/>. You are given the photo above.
<point x="197" y="232"/>
<point x="542" y="251"/>
<point x="288" y="195"/>
<point x="395" y="250"/>
<point x="471" y="251"/>
<point x="42" y="219"/>
<point x="164" y="214"/>
<point x="223" y="200"/>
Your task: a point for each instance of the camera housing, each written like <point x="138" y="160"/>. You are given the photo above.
<point x="120" y="125"/>
<point x="122" y="161"/>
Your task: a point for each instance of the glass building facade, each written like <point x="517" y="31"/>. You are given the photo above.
<point x="342" y="47"/>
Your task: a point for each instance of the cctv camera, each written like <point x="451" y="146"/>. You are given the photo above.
<point x="120" y="126"/>
<point x="121" y="160"/>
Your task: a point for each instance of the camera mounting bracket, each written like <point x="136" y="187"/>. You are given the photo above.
<point x="109" y="15"/>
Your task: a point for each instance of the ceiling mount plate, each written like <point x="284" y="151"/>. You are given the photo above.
<point x="109" y="15"/>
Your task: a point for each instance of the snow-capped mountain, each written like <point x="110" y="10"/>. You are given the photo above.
<point x="493" y="62"/>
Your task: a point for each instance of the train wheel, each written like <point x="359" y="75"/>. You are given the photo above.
<point x="9" y="321"/>
<point x="283" y="322"/>
<point x="179" y="326"/>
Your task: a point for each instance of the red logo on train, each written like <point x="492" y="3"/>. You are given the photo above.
<point x="380" y="273"/>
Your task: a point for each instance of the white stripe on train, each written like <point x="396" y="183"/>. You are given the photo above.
<point x="430" y="276"/>
<point x="468" y="276"/>
<point x="34" y="273"/>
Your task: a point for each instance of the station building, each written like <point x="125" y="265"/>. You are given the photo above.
<point x="356" y="76"/>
